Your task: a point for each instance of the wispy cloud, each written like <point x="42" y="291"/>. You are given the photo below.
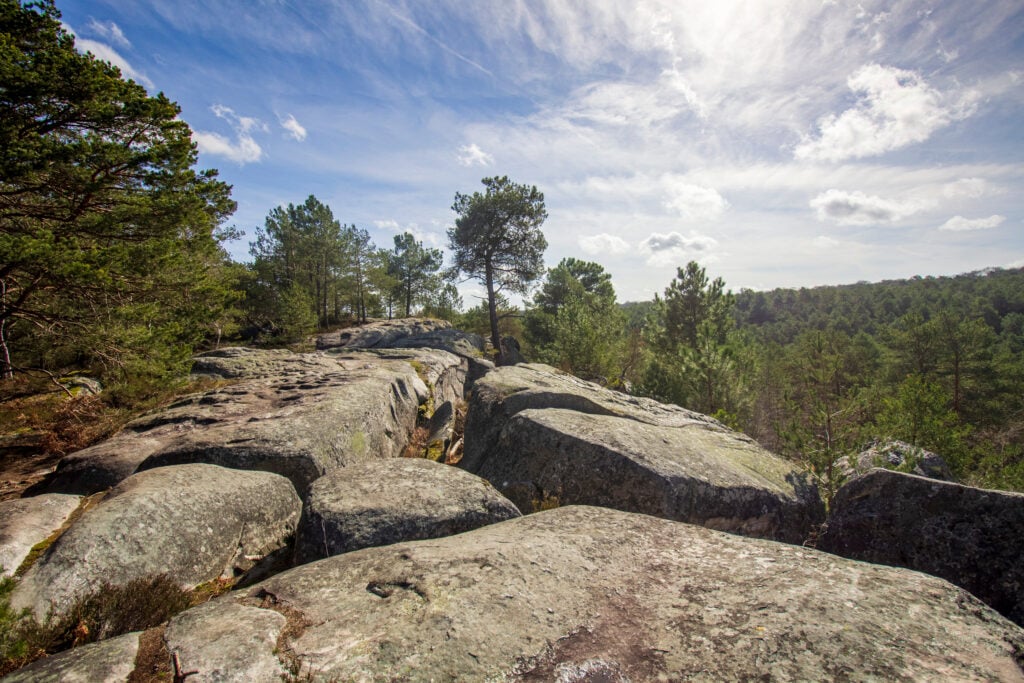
<point x="896" y="108"/>
<point x="109" y="31"/>
<point x="674" y="249"/>
<point x="243" y="149"/>
<point x="472" y="155"/>
<point x="295" y="130"/>
<point x="960" y="224"/>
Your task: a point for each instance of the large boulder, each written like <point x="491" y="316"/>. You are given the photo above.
<point x="26" y="522"/>
<point x="591" y="594"/>
<point x="545" y="438"/>
<point x="298" y="415"/>
<point x="380" y="503"/>
<point x="968" y="536"/>
<point x="897" y="455"/>
<point x="194" y="523"/>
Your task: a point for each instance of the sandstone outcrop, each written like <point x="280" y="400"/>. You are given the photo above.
<point x="971" y="537"/>
<point x="545" y="438"/>
<point x="897" y="455"/>
<point x="385" y="502"/>
<point x="595" y="594"/>
<point x="298" y="415"/>
<point x="194" y="523"/>
<point x="25" y="522"/>
<point x="413" y="333"/>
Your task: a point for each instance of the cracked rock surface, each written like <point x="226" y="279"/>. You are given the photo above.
<point x="971" y="537"/>
<point x="297" y="415"/>
<point x="385" y="502"/>
<point x="543" y="438"/>
<point x="194" y="523"/>
<point x="607" y="595"/>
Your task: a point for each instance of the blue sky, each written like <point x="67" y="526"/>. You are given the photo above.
<point x="781" y="144"/>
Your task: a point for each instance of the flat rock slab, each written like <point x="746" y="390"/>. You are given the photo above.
<point x="595" y="594"/>
<point x="109" y="661"/>
<point x="380" y="503"/>
<point x="968" y="536"/>
<point x="298" y="415"/>
<point x="194" y="523"/>
<point x="25" y="522"/>
<point x="544" y="439"/>
<point x="227" y="643"/>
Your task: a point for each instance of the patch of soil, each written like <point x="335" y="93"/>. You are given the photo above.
<point x="23" y="465"/>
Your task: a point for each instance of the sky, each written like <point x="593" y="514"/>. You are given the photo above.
<point x="779" y="143"/>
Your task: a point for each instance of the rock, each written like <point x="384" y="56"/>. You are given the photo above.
<point x="443" y="373"/>
<point x="511" y="353"/>
<point x="442" y="425"/>
<point x="194" y="523"/>
<point x="379" y="503"/>
<point x="80" y="385"/>
<point x="25" y="522"/>
<point x="595" y="594"/>
<point x="414" y="333"/>
<point x="405" y="333"/>
<point x="898" y="455"/>
<point x="227" y="643"/>
<point x="971" y="537"/>
<point x="109" y="661"/>
<point x="298" y="415"/>
<point x="544" y="438"/>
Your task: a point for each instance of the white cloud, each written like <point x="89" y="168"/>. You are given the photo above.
<point x="857" y="208"/>
<point x="472" y="155"/>
<point x="674" y="249"/>
<point x="824" y="242"/>
<point x="959" y="223"/>
<point x="109" y="31"/>
<point x="972" y="188"/>
<point x="427" y="237"/>
<point x="104" y="52"/>
<point x="897" y="108"/>
<point x="603" y="243"/>
<point x="244" y="148"/>
<point x="694" y="202"/>
<point x="295" y="129"/>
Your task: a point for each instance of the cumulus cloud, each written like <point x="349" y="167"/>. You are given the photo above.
<point x="896" y="108"/>
<point x="109" y="31"/>
<point x="296" y="130"/>
<point x="960" y="224"/>
<point x="472" y="155"/>
<point x="694" y="202"/>
<point x="603" y="244"/>
<point x="244" y="148"/>
<point x="857" y="208"/>
<point x="674" y="249"/>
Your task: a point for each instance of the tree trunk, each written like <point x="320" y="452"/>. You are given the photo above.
<point x="6" y="371"/>
<point x="492" y="310"/>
